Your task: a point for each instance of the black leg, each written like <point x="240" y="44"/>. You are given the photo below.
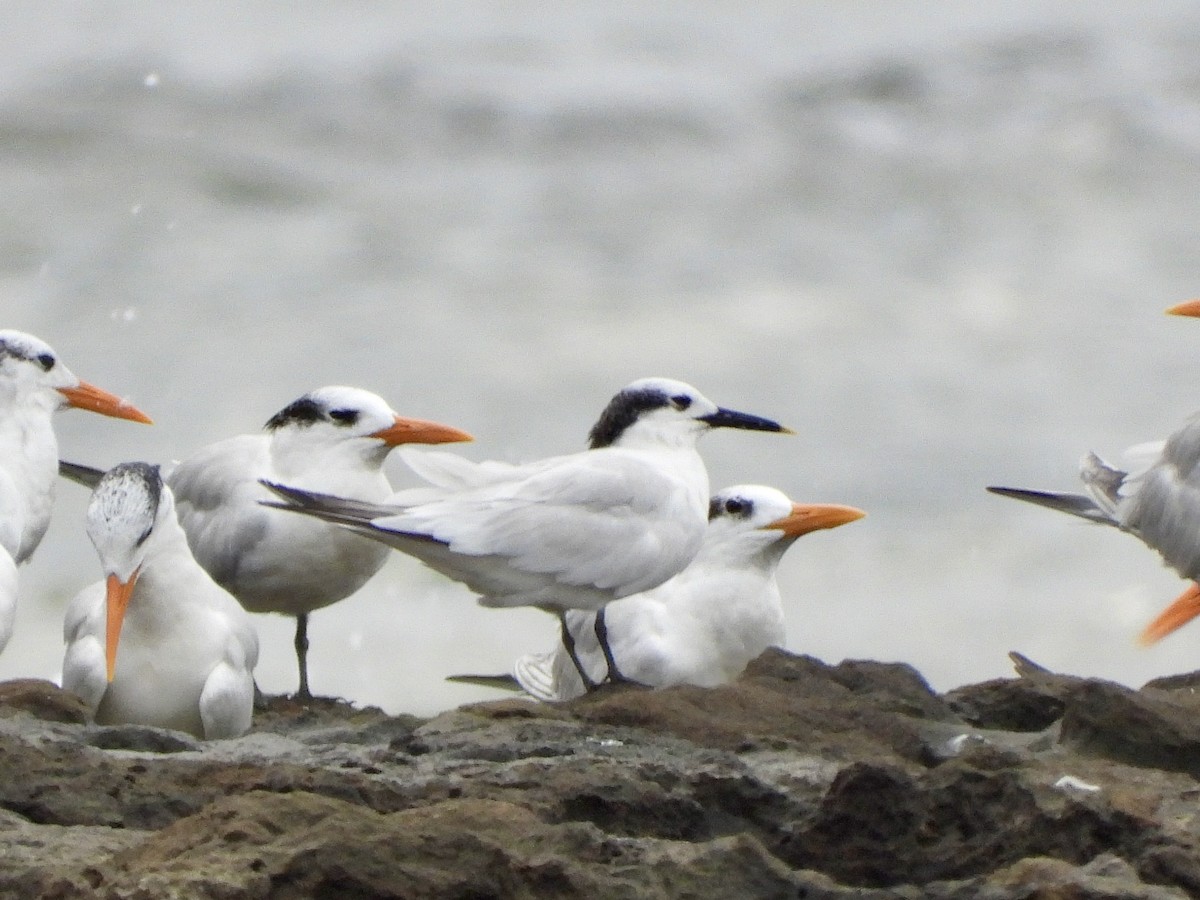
<point x="568" y="641"/>
<point x="302" y="655"/>
<point x="614" y="674"/>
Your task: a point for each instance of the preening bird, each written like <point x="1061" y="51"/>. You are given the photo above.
<point x="568" y="532"/>
<point x="158" y="642"/>
<point x="34" y="384"/>
<point x="706" y="624"/>
<point x="334" y="439"/>
<point x="1154" y="495"/>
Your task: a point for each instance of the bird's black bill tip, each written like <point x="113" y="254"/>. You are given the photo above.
<point x="729" y="418"/>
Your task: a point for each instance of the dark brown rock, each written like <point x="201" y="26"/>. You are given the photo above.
<point x="854" y="710"/>
<point x="879" y="826"/>
<point x="300" y="845"/>
<point x="42" y="699"/>
<point x="1011" y="704"/>
<point x="1143" y="728"/>
<point x="801" y="780"/>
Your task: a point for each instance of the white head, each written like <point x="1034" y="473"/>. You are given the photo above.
<point x="348" y="418"/>
<point x="31" y="374"/>
<point x="128" y="505"/>
<point x="749" y="519"/>
<point x="662" y="410"/>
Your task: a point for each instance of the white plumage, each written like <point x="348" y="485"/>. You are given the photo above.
<point x="34" y="385"/>
<point x="158" y="642"/>
<point x="569" y="532"/>
<point x="333" y="439"/>
<point x="1154" y="495"/>
<point x="706" y="624"/>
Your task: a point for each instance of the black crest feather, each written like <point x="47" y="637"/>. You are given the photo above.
<point x="622" y="411"/>
<point x="302" y="412"/>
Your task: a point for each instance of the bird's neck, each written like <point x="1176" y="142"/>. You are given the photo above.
<point x="639" y="437"/>
<point x="296" y="458"/>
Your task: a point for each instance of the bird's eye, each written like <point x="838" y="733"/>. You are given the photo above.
<point x="736" y="507"/>
<point x="681" y="401"/>
<point x="46" y="361"/>
<point x="344" y="416"/>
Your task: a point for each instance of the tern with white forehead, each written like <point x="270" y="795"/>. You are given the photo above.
<point x="1154" y="496"/>
<point x="704" y="625"/>
<point x="569" y="532"/>
<point x="34" y="384"/>
<point x="158" y="642"/>
<point x="334" y="439"/>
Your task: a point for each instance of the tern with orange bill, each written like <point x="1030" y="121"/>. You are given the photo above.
<point x="333" y="439"/>
<point x="568" y="532"/>
<point x="34" y="384"/>
<point x="158" y="642"/>
<point x="701" y="627"/>
<point x="1154" y="495"/>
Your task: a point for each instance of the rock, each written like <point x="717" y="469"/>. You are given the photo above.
<point x="801" y="780"/>
<point x="850" y="711"/>
<point x="43" y="699"/>
<point x="1143" y="728"/>
<point x="1013" y="704"/>
<point x="142" y="738"/>
<point x="300" y="845"/>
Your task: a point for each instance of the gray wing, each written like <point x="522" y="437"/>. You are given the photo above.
<point x="572" y="535"/>
<point x="1072" y="504"/>
<point x="215" y="502"/>
<point x="339" y="510"/>
<point x="1163" y="506"/>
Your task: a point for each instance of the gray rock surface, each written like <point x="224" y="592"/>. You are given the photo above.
<point x="801" y="780"/>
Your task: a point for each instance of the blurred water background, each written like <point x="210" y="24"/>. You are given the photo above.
<point x="934" y="238"/>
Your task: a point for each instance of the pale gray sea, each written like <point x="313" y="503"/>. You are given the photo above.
<point x="934" y="238"/>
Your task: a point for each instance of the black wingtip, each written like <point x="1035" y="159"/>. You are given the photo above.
<point x="296" y="496"/>
<point x="1072" y="504"/>
<point x="499" y="682"/>
<point x="87" y="476"/>
<point x="1003" y="491"/>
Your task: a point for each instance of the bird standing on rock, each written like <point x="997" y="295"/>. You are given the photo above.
<point x="1156" y="498"/>
<point x="34" y="384"/>
<point x="706" y="624"/>
<point x="568" y="532"/>
<point x="332" y="439"/>
<point x="158" y="642"/>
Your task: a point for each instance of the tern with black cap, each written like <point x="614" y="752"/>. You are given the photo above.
<point x="568" y="532"/>
<point x="332" y="439"/>
<point x="35" y="384"/>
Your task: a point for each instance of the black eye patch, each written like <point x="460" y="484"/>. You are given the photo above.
<point x="734" y="506"/>
<point x="681" y="401"/>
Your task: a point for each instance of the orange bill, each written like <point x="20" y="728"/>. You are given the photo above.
<point x="117" y="597"/>
<point x="89" y="397"/>
<point x="1185" y="608"/>
<point x="806" y="517"/>
<point x="419" y="431"/>
<point x="1187" y="308"/>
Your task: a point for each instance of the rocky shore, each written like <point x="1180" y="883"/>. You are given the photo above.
<point x="803" y="780"/>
